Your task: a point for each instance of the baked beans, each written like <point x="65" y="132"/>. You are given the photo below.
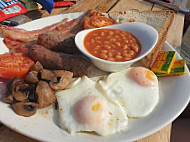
<point x="112" y="45"/>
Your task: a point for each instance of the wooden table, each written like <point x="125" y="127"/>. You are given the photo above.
<point x="174" y="38"/>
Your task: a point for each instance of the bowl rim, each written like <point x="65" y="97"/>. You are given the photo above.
<point x="139" y="57"/>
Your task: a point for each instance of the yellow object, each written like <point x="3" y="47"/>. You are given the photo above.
<point x="164" y="62"/>
<point x="178" y="68"/>
<point x="39" y="6"/>
<point x="95" y="107"/>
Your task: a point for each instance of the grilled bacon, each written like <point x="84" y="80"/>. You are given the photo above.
<point x="22" y="35"/>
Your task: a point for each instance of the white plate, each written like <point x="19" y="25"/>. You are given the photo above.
<point x="174" y="97"/>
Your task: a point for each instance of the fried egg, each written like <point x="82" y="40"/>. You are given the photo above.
<point x="83" y="108"/>
<point x="135" y="89"/>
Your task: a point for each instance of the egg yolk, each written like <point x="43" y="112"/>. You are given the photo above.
<point x="91" y="110"/>
<point x="95" y="107"/>
<point x="143" y="76"/>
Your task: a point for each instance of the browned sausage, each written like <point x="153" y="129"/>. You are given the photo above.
<point x="56" y="61"/>
<point x="60" y="43"/>
<point x="62" y="40"/>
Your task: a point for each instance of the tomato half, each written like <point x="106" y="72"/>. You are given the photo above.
<point x="14" y="65"/>
<point x="97" y="21"/>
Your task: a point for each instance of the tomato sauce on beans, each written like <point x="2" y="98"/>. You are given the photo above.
<point x="112" y="45"/>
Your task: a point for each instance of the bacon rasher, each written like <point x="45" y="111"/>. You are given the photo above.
<point x="22" y="35"/>
<point x="18" y="47"/>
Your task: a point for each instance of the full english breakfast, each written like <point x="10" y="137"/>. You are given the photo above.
<point x="84" y="105"/>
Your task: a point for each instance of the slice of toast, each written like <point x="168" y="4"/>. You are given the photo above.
<point x="160" y="20"/>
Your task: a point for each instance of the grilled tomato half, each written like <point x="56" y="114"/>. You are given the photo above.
<point x="14" y="65"/>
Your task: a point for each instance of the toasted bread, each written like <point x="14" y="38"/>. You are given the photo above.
<point x="160" y="20"/>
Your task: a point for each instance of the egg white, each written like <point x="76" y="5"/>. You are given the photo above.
<point x="116" y="119"/>
<point x="136" y="100"/>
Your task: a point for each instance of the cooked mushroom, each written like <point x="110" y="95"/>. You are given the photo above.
<point x="25" y="108"/>
<point x="21" y="92"/>
<point x="48" y="75"/>
<point x="37" y="67"/>
<point x="32" y="77"/>
<point x="17" y="90"/>
<point x="32" y="94"/>
<point x="45" y="95"/>
<point x="64" y="79"/>
<point x="11" y="88"/>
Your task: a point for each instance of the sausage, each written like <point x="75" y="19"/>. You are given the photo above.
<point x="62" y="40"/>
<point x="58" y="42"/>
<point x="60" y="61"/>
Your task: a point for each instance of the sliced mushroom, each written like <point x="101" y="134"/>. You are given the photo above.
<point x="21" y="92"/>
<point x="17" y="90"/>
<point x="25" y="108"/>
<point x="65" y="78"/>
<point x="32" y="77"/>
<point x="37" y="67"/>
<point x="48" y="75"/>
<point x="11" y="88"/>
<point x="45" y="95"/>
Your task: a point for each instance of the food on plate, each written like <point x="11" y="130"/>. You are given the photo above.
<point x="96" y="19"/>
<point x="44" y="94"/>
<point x="160" y="20"/>
<point x="14" y="65"/>
<point x="37" y="90"/>
<point x="11" y="43"/>
<point x="18" y="47"/>
<point x="62" y="41"/>
<point x="16" y="90"/>
<point x="164" y="62"/>
<point x="134" y="89"/>
<point x="84" y="105"/>
<point x="83" y="108"/>
<point x="112" y="45"/>
<point x="60" y="61"/>
<point x="18" y="94"/>
<point x="57" y="79"/>
<point x="18" y="34"/>
<point x="32" y="76"/>
<point x="178" y="68"/>
<point x="25" y="108"/>
<point x="64" y="79"/>
<point x="103" y="106"/>
<point x="57" y="43"/>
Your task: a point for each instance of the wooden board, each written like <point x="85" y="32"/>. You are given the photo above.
<point x="177" y="27"/>
<point x="124" y="5"/>
<point x="161" y="136"/>
<point x="8" y="135"/>
<point x="80" y="6"/>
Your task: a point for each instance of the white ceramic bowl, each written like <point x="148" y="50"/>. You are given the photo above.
<point x="146" y="34"/>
